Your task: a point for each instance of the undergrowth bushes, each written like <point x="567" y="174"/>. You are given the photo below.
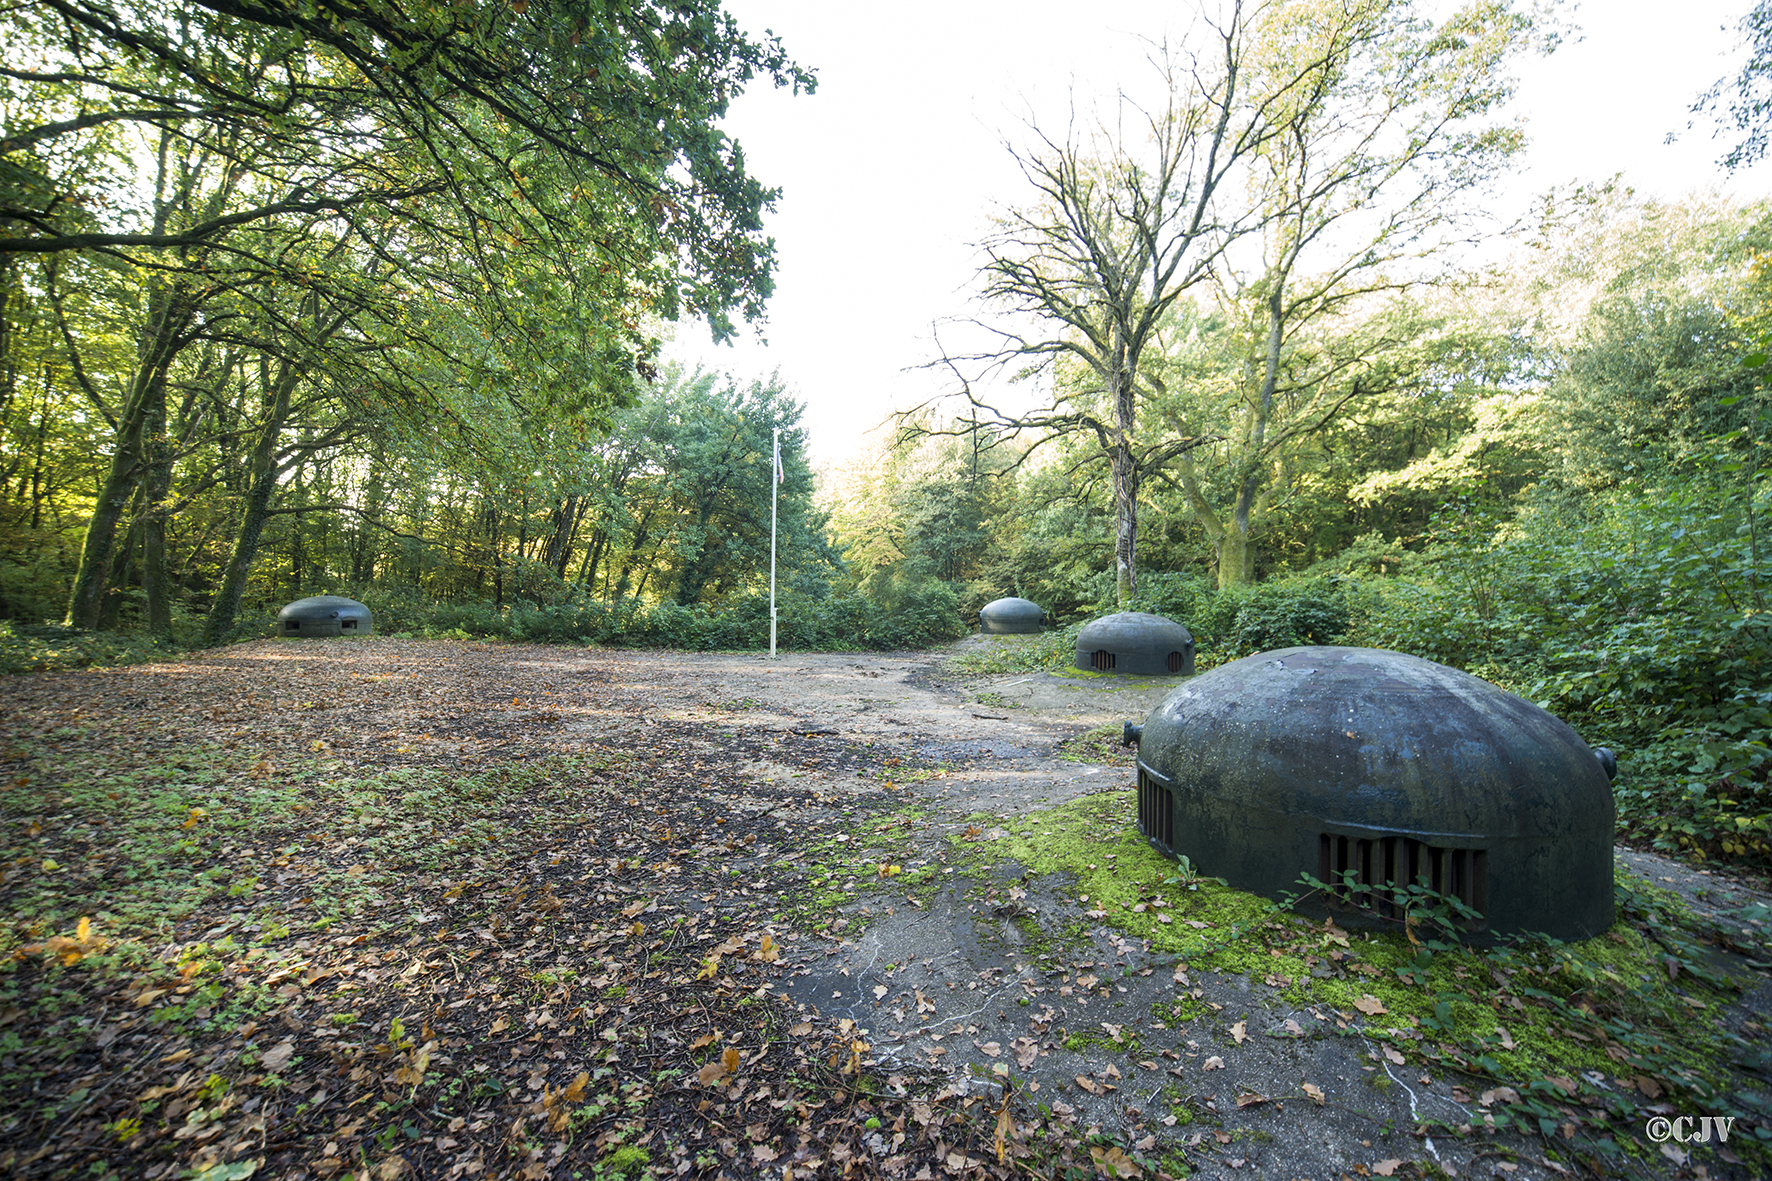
<point x="924" y="615"/>
<point x="1643" y="623"/>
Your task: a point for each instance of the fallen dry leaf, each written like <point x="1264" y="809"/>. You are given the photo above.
<point x="278" y="1056"/>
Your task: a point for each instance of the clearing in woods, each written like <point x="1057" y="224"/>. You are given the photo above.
<point x="386" y="907"/>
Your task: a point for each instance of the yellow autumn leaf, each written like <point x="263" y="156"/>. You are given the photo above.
<point x="196" y="815"/>
<point x="887" y="871"/>
<point x="767" y="951"/>
<point x="1005" y="1128"/>
<point x="710" y="968"/>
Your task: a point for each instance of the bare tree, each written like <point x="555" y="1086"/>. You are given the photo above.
<point x="1364" y="191"/>
<point x="1303" y="113"/>
<point x="1127" y="216"/>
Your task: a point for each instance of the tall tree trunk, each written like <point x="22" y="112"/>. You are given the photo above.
<point x="587" y="573"/>
<point x="1125" y="478"/>
<point x="157" y="484"/>
<point x="146" y="401"/>
<point x="558" y="549"/>
<point x="255" y="512"/>
<point x="641" y="535"/>
<point x="1236" y="553"/>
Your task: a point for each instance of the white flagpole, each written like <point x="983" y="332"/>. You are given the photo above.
<point x="774" y="496"/>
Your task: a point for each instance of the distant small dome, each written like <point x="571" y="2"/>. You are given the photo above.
<point x="324" y="615"/>
<point x="1006" y="617"/>
<point x="1138" y="643"/>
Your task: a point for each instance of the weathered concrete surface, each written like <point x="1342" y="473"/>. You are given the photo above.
<point x="1010" y="617"/>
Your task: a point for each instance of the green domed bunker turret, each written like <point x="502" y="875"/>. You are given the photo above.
<point x="1136" y="643"/>
<point x="324" y="615"/>
<point x="1380" y="769"/>
<point x="1010" y="617"/>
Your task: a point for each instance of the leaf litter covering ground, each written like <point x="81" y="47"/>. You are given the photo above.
<point x="389" y="908"/>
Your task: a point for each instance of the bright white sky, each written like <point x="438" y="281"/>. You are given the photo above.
<point x="890" y="171"/>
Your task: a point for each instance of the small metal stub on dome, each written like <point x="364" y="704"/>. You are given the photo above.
<point x="322" y="616"/>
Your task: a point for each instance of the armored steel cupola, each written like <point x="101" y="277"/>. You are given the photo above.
<point x="324" y="615"/>
<point x="1372" y="771"/>
<point x="1136" y="642"/>
<point x="1009" y="617"/>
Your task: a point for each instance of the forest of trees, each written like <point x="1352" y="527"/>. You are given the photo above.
<point x="314" y="298"/>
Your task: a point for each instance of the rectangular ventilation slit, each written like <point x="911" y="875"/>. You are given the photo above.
<point x="292" y="625"/>
<point x="1156" y="812"/>
<point x="348" y="623"/>
<point x="1102" y="661"/>
<point x="1374" y="874"/>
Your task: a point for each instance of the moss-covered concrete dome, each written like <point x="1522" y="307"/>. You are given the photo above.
<point x="1009" y="617"/>
<point x="1136" y="642"/>
<point x="324" y="615"/>
<point x="1334" y="761"/>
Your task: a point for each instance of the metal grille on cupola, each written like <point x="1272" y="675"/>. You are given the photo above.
<point x="1375" y="772"/>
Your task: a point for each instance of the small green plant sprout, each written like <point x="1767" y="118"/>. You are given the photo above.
<point x="1187" y="876"/>
<point x="398" y="1038"/>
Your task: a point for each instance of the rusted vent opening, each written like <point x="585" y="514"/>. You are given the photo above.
<point x="1174" y="662"/>
<point x="1101" y="661"/>
<point x="1381" y="863"/>
<point x="1156" y="812"/>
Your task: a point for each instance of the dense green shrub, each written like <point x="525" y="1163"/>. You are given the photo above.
<point x="50" y="647"/>
<point x="1642" y="621"/>
<point x="919" y="614"/>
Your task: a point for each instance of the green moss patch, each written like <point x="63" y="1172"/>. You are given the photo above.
<point x="1564" y="1040"/>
